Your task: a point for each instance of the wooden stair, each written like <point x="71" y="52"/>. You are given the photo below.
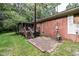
<point x="29" y="33"/>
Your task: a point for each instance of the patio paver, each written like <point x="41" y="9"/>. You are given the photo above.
<point x="45" y="44"/>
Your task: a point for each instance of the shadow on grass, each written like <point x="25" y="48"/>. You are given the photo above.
<point x="9" y="33"/>
<point x="2" y="32"/>
<point x="45" y="54"/>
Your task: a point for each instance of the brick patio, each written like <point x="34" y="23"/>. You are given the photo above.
<point x="45" y="44"/>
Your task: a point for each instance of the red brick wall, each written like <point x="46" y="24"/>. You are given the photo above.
<point x="48" y="28"/>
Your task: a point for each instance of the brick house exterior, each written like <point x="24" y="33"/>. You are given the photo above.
<point x="47" y="25"/>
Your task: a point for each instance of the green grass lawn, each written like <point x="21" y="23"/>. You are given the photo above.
<point x="17" y="45"/>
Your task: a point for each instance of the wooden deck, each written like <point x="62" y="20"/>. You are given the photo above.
<point x="45" y="44"/>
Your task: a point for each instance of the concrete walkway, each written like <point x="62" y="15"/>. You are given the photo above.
<point x="45" y="44"/>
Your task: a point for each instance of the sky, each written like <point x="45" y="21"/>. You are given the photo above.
<point x="62" y="7"/>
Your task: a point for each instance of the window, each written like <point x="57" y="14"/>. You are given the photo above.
<point x="71" y="26"/>
<point x="76" y="19"/>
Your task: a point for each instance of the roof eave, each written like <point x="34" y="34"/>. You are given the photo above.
<point x="61" y="14"/>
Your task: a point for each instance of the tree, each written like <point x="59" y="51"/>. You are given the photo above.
<point x="11" y="17"/>
<point x="72" y="5"/>
<point x="46" y="9"/>
<point x="13" y="13"/>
